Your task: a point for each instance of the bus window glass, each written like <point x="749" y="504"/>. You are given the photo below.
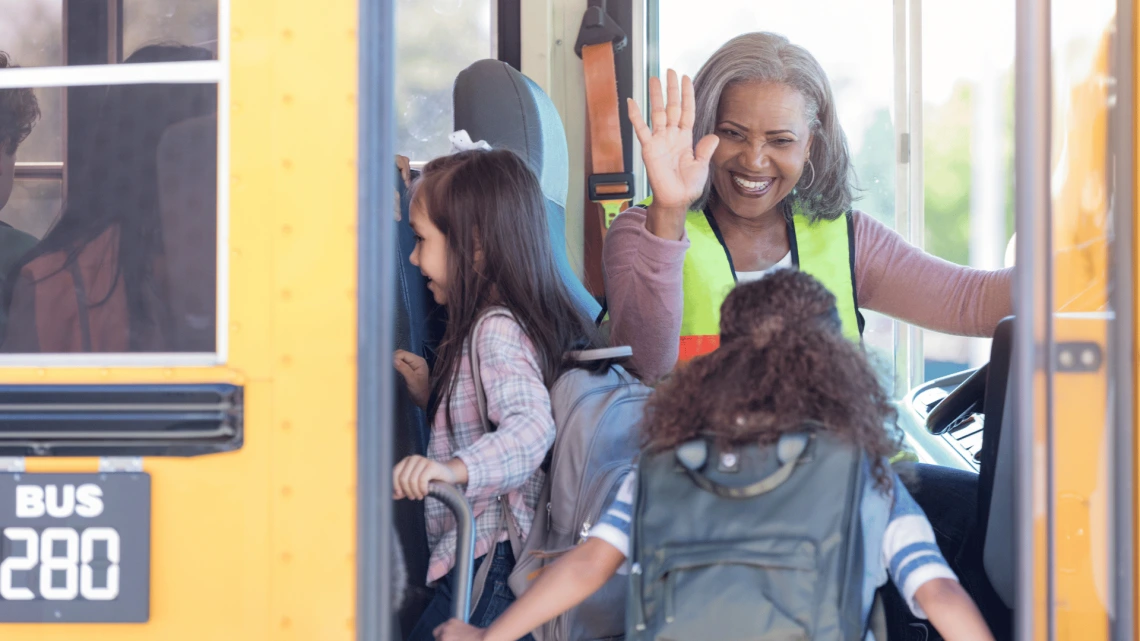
<point x="108" y="233"/>
<point x="967" y="152"/>
<point x="130" y="265"/>
<point x="192" y="22"/>
<point x="854" y="46"/>
<point x="33" y="205"/>
<point x="437" y="39"/>
<point x="32" y="31"/>
<point x="102" y="31"/>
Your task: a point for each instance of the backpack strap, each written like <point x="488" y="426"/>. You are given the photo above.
<point x="473" y="359"/>
<point x="506" y="522"/>
<point x="506" y="518"/>
<point x="81" y="304"/>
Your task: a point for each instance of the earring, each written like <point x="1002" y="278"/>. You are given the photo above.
<point x="811" y="166"/>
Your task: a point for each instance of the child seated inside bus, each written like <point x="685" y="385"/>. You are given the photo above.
<point x="483" y="244"/>
<point x="19" y="111"/>
<point x="802" y="368"/>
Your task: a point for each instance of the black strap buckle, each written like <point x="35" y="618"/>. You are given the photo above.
<point x="610" y="180"/>
<point x="598" y="28"/>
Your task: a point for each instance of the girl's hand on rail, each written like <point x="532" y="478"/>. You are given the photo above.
<point x="411" y="476"/>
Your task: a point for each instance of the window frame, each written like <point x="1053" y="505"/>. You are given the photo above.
<point x="114" y="73"/>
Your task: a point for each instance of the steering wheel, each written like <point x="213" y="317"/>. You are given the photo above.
<point x="965" y="400"/>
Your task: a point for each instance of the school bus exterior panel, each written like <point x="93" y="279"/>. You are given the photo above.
<point x="260" y="543"/>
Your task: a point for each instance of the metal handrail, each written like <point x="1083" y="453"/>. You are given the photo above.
<point x="455" y="501"/>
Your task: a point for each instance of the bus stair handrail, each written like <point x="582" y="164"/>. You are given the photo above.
<point x="455" y="501"/>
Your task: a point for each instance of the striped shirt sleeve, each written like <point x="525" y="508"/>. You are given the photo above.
<point x="910" y="552"/>
<point x="616" y="522"/>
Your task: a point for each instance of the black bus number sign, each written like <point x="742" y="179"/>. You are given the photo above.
<point x="70" y="561"/>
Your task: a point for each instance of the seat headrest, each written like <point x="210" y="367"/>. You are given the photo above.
<point x="188" y="211"/>
<point x="496" y="103"/>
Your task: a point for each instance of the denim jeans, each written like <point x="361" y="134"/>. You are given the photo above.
<point x="950" y="499"/>
<point x="496" y="597"/>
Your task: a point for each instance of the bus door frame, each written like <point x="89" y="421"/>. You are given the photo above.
<point x="376" y="298"/>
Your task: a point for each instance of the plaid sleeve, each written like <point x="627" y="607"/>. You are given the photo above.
<point x="910" y="552"/>
<point x="517" y="402"/>
<point x="614" y="525"/>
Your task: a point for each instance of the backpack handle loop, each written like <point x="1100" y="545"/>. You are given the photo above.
<point x="790" y="450"/>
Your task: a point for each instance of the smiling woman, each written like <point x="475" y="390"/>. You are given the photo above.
<point x="769" y="182"/>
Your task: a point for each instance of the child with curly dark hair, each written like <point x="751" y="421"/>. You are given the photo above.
<point x="782" y="362"/>
<point x="19" y="111"/>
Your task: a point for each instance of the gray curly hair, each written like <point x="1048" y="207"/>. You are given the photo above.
<point x="769" y="57"/>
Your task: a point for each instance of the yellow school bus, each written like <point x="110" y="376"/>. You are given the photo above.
<point x="220" y="468"/>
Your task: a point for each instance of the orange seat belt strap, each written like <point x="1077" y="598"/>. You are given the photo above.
<point x="608" y="183"/>
<point x="610" y="186"/>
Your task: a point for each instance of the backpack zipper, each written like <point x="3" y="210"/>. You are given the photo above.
<point x="608" y="476"/>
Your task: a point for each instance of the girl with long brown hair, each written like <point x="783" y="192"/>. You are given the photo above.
<point x="782" y="363"/>
<point x="483" y="244"/>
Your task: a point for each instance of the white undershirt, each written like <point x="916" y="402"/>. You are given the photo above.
<point x="746" y="277"/>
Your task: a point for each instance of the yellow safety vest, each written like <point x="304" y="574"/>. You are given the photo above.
<point x="824" y="249"/>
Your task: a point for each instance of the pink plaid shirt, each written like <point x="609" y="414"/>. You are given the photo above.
<point x="505" y="462"/>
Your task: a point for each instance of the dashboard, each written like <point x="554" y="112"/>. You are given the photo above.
<point x="960" y="445"/>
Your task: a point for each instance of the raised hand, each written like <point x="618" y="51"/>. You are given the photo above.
<point x="677" y="171"/>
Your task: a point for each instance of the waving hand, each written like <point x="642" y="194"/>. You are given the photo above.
<point x="677" y="171"/>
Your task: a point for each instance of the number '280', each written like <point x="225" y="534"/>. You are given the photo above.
<point x="74" y="563"/>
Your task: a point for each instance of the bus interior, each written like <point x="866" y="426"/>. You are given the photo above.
<point x="942" y="136"/>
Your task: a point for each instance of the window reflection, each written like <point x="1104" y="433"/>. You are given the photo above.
<point x="32" y="31"/>
<point x="131" y="263"/>
<point x="37" y="34"/>
<point x="193" y="22"/>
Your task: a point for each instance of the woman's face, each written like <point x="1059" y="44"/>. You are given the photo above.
<point x="764" y="144"/>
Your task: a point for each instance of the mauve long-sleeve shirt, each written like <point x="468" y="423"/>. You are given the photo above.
<point x="643" y="275"/>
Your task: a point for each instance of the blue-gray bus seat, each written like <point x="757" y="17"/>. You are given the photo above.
<point x="993" y="408"/>
<point x="496" y="103"/>
<point x="188" y="214"/>
<point x="416" y="317"/>
<point x="995" y="480"/>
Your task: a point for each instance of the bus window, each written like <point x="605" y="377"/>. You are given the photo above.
<point x="437" y="39"/>
<point x="193" y="22"/>
<point x="130" y="265"/>
<point x="114" y="210"/>
<point x="967" y="154"/>
<point x="102" y="32"/>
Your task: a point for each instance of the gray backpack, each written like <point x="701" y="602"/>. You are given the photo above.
<point x="749" y="544"/>
<point x="597" y="417"/>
